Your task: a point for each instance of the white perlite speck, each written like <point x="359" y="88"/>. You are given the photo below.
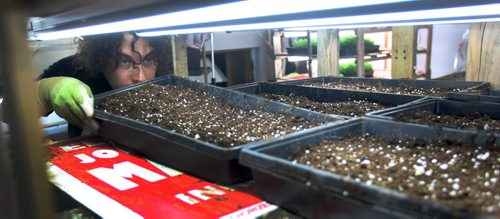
<point x="365" y="162"/>
<point x="483" y="156"/>
<point x="345" y="193"/>
<point x="443" y="166"/>
<point x="419" y="170"/>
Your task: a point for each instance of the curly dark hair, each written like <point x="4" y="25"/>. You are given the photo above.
<point x="101" y="53"/>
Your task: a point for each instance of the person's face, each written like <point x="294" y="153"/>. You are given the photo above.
<point x="132" y="69"/>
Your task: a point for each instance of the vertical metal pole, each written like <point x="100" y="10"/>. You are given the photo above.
<point x="204" y="57"/>
<point x="309" y="54"/>
<point x="20" y="108"/>
<point x="213" y="57"/>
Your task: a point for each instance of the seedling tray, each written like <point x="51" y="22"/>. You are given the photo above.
<point x="315" y="193"/>
<point x="442" y="107"/>
<point x="476" y="87"/>
<point x="493" y="97"/>
<point x="327" y="95"/>
<point x="206" y="160"/>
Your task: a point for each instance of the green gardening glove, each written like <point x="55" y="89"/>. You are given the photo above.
<point x="70" y="98"/>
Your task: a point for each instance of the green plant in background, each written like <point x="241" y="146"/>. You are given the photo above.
<point x="302" y="43"/>
<point x="351" y="69"/>
<point x="352" y="40"/>
<point x="345" y="41"/>
<point x="348" y="45"/>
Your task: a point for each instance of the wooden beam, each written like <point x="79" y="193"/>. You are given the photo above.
<point x="403" y="52"/>
<point x="328" y="52"/>
<point x="24" y="186"/>
<point x="483" y="53"/>
<point x="278" y="61"/>
<point x="247" y="56"/>
<point x="360" y="48"/>
<point x="429" y="52"/>
<point x="179" y="54"/>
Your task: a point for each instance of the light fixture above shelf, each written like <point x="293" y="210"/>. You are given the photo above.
<point x="279" y="14"/>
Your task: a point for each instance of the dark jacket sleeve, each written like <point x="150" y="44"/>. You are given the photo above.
<point x="63" y="67"/>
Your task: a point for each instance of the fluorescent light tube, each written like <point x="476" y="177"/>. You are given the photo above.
<point x="223" y="12"/>
<point x="393" y="24"/>
<point x="459" y="15"/>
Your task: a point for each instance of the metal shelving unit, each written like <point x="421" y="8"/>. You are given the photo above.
<point x="281" y="55"/>
<point x="24" y="187"/>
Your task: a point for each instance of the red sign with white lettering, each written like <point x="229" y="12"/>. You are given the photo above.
<point x="114" y="183"/>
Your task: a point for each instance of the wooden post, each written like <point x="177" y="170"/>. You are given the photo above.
<point x="179" y="54"/>
<point x="483" y="54"/>
<point x="328" y="52"/>
<point x="403" y="52"/>
<point x="428" y="52"/>
<point x="278" y="60"/>
<point x="360" y="55"/>
<point x="24" y="185"/>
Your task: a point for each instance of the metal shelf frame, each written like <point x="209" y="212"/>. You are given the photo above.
<point x="26" y="189"/>
<point x="98" y="12"/>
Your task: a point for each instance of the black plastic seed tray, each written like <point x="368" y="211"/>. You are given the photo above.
<point x="206" y="160"/>
<point x="327" y="95"/>
<point x="441" y="107"/>
<point x="475" y="87"/>
<point x="315" y="193"/>
<point x="493" y="97"/>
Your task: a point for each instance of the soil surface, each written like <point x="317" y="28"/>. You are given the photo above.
<point x="354" y="108"/>
<point x="439" y="92"/>
<point x="461" y="176"/>
<point x="201" y="116"/>
<point x="470" y="121"/>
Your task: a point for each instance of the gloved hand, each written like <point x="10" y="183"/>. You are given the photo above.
<point x="70" y="98"/>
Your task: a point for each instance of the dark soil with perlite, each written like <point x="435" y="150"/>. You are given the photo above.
<point x="201" y="116"/>
<point x="439" y="92"/>
<point x="470" y="121"/>
<point x="353" y="108"/>
<point x="461" y="176"/>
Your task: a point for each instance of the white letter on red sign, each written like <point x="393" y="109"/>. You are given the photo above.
<point x="209" y="190"/>
<point x="186" y="199"/>
<point x="116" y="176"/>
<point x="105" y="153"/>
<point x="85" y="158"/>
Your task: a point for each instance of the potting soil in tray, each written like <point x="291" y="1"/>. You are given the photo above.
<point x="201" y="116"/>
<point x="347" y="108"/>
<point x="470" y="121"/>
<point x="461" y="176"/>
<point x="438" y="92"/>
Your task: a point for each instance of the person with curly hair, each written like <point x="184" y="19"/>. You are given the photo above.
<point x="102" y="63"/>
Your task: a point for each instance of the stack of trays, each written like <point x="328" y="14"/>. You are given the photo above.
<point x="322" y="95"/>
<point x="316" y="193"/>
<point x="206" y="160"/>
<point x="422" y="85"/>
<point x="492" y="97"/>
